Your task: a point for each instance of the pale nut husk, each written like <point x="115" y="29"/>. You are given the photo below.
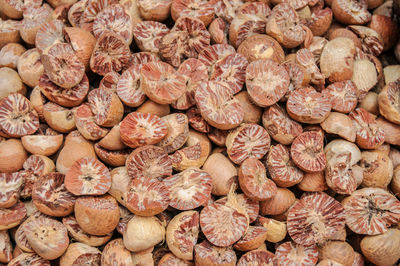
<point x="276" y="230"/>
<point x="391" y="73"/>
<point x="341" y="125"/>
<point x="370" y="103"/>
<point x="364" y="76"/>
<point x="10" y="82"/>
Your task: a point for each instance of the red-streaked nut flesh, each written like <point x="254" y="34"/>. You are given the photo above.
<point x="178" y="132"/>
<point x="89" y="12"/>
<point x="315" y="218"/>
<point x="196" y="121"/>
<point x="257" y="257"/>
<point x="279" y="125"/>
<point x="261" y="46"/>
<point x="106" y="107"/>
<point x="343" y="95"/>
<point x="76" y="232"/>
<point x="139" y="129"/>
<point x="128" y="87"/>
<point x="109" y="81"/>
<point x="80" y="253"/>
<point x="161" y="82"/>
<point x="252" y="207"/>
<point x="203" y="10"/>
<point x="217" y="105"/>
<point x="84" y="121"/>
<point x="189" y="189"/>
<point x="298" y="76"/>
<point x="182" y="233"/>
<point x="350" y="12"/>
<point x="147" y="196"/>
<point x="266" y="81"/>
<point x="208" y="254"/>
<point x="149" y="162"/>
<point x="254" y="182"/>
<point x="368" y="134"/>
<point x="49" y="33"/>
<point x="148" y="35"/>
<point x="305" y="58"/>
<point x="11" y="185"/>
<point x="29" y="259"/>
<point x="371" y="211"/>
<point x="247" y="141"/>
<point x="306" y="105"/>
<point x="290" y="253"/>
<point x="51" y="197"/>
<point x="218" y="29"/>
<point x="388" y="100"/>
<point x="12" y="216"/>
<point x="48" y="237"/>
<point x="307" y="152"/>
<point x="88" y="176"/>
<point x="6" y="250"/>
<point x="281" y="167"/>
<point x="115" y="253"/>
<point x="18" y="118"/>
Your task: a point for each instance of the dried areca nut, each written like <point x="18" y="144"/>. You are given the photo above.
<point x="171" y="259"/>
<point x="378" y="169"/>
<point x="281" y="167"/>
<point x="216" y="220"/>
<point x="161" y="82"/>
<point x="154" y="108"/>
<point x="17" y="116"/>
<point x="218" y="137"/>
<point x="120" y="181"/>
<point x="172" y="47"/>
<point x="350" y="12"/>
<point x="35" y="166"/>
<point x="371" y="211"/>
<point x="126" y="216"/>
<point x="364" y="76"/>
<point x="9" y="31"/>
<point x="251" y="206"/>
<point x="394" y="155"/>
<point x="222" y="172"/>
<point x="245" y="25"/>
<point x="111" y="53"/>
<point x="142" y="58"/>
<point x="144" y="257"/>
<point x="148" y="35"/>
<point x="257" y="257"/>
<point x="34" y="18"/>
<point x="80" y="253"/>
<point x="339" y="251"/>
<point x="112" y="158"/>
<point x="276" y="230"/>
<point x="128" y="87"/>
<point x="253" y="239"/>
<point x="279" y="125"/>
<point x="391" y="73"/>
<point x="298" y="76"/>
<point x="284" y="25"/>
<point x="315" y="218"/>
<point x="30" y="68"/>
<point x="38" y="100"/>
<point x="189" y="189"/>
<point x="337" y="61"/>
<point x="139" y="129"/>
<point x="47" y="237"/>
<point x="338" y="148"/>
<point x="306" y="105"/>
<point x="51" y="197"/>
<point x="182" y="233"/>
<point x="146" y="196"/>
<point x="6" y="252"/>
<point x="48" y="34"/>
<point x="382" y="249"/>
<point x="320" y="21"/>
<point x="149" y="162"/>
<point x="82" y="41"/>
<point x="97" y="215"/>
<point x="116" y="253"/>
<point x="28" y="259"/>
<point x="261" y="46"/>
<point x="203" y="10"/>
<point x="10" y="54"/>
<point x="87" y="176"/>
<point x="12" y="155"/>
<point x="368" y="134"/>
<point x="254" y="182"/>
<point x="388" y="100"/>
<point x="143" y="233"/>
<point x="343" y="95"/>
<point x="106" y="107"/>
<point x="213" y="54"/>
<point x="313" y="182"/>
<point x="65" y="97"/>
<point x="75" y="12"/>
<point x="196" y="121"/>
<point x="247" y="141"/>
<point x="76" y="232"/>
<point x="371" y="41"/>
<point x="109" y="81"/>
<point x="13" y="216"/>
<point x="115" y="19"/>
<point x="358" y="259"/>
<point x="386" y="28"/>
<point x="305" y="58"/>
<point x="290" y="253"/>
<point x="341" y="125"/>
<point x="252" y="112"/>
<point x="208" y="254"/>
<point x="217" y="105"/>
<point x="59" y="118"/>
<point x="343" y="32"/>
<point x="112" y="141"/>
<point x="84" y="121"/>
<point x="316" y="47"/>
<point x="218" y="31"/>
<point x="266" y="81"/>
<point x="194" y="71"/>
<point x="391" y="131"/>
<point x="11" y="184"/>
<point x="154" y="10"/>
<point x="89" y="12"/>
<point x="278" y="204"/>
<point x="307" y="152"/>
<point x="198" y="36"/>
